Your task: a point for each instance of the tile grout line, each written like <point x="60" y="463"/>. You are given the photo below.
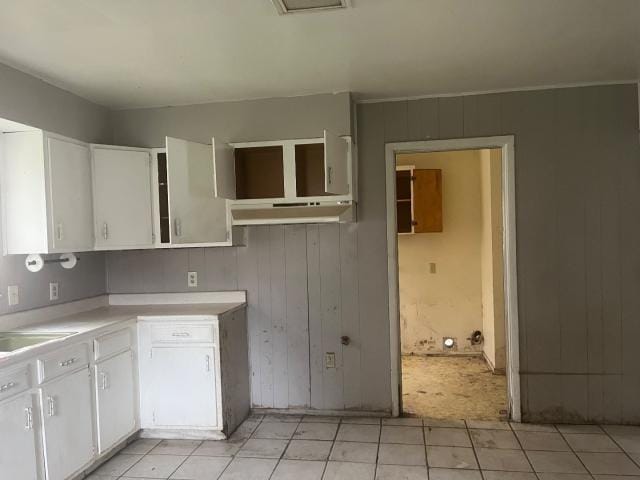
<point x="524" y="452"/>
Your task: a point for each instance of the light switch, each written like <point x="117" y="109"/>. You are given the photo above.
<point x="432" y="267"/>
<point x="13" y="295"/>
<point x="192" y="279"/>
<point x="330" y="360"/>
<point x="53" y="291"/>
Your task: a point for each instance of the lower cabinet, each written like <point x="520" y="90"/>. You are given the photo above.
<point x="115" y="399"/>
<point x="182" y="385"/>
<point x="18" y="439"/>
<point x="67" y="424"/>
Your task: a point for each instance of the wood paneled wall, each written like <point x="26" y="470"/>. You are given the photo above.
<point x="303" y="291"/>
<point x="578" y="233"/>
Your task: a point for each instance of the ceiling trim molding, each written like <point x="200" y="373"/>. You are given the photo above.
<point x="505" y="90"/>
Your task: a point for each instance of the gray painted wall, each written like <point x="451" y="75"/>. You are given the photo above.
<point x="28" y="100"/>
<point x="578" y="203"/>
<point x="578" y="198"/>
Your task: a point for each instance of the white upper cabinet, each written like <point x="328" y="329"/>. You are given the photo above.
<point x="317" y="169"/>
<point x="195" y="215"/>
<point x="288" y="181"/>
<point x="224" y="170"/>
<point x="336" y="166"/>
<point x="46" y="193"/>
<point x="122" y="197"/>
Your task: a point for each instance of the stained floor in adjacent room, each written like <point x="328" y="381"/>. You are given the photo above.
<point x="451" y="387"/>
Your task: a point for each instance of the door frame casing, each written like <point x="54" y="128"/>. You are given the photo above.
<point x="506" y="144"/>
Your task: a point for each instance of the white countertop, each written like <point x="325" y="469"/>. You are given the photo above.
<point x="91" y="322"/>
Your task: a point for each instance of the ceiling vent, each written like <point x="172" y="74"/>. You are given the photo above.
<point x="298" y="6"/>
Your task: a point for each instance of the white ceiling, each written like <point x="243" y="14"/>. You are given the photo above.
<point x="129" y="53"/>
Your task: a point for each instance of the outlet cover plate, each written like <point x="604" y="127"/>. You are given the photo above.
<point x="192" y="279"/>
<point x="13" y="295"/>
<point x="53" y="291"/>
<point x="330" y="360"/>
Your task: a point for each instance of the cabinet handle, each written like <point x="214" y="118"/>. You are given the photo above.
<point x="105" y="381"/>
<point x="7" y="386"/>
<point x="51" y="402"/>
<point x="59" y="231"/>
<point x="105" y="231"/>
<point x="330" y="175"/>
<point x="177" y="227"/>
<point x="29" y="418"/>
<point x="66" y="363"/>
<point x="180" y="334"/>
<point x="208" y="363"/>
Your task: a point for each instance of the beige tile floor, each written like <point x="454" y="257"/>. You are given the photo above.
<point x="291" y="447"/>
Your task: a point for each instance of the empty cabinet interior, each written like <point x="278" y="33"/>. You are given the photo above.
<point x="163" y="198"/>
<point x="259" y="172"/>
<point x="404" y="212"/>
<point x="310" y="181"/>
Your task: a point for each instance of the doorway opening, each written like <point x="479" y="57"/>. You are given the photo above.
<point x="452" y="262"/>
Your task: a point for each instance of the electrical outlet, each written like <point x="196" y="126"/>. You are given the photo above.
<point x="53" y="291"/>
<point x="192" y="279"/>
<point x="13" y="295"/>
<point x="330" y="360"/>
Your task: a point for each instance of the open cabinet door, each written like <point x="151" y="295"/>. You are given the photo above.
<point x="224" y="170"/>
<point x="196" y="216"/>
<point x="336" y="165"/>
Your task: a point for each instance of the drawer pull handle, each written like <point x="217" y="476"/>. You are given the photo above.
<point x="181" y="334"/>
<point x="29" y="418"/>
<point x="52" y="406"/>
<point x="66" y="363"/>
<point x="7" y="386"/>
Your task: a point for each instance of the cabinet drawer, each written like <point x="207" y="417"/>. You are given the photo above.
<point x="182" y="334"/>
<point x="112" y="343"/>
<point x="13" y="382"/>
<point x="63" y="361"/>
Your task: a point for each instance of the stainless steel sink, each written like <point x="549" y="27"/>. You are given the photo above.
<point x="11" y="341"/>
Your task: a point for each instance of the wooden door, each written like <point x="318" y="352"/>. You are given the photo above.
<point x="67" y="425"/>
<point x="196" y="216"/>
<point x="71" y="206"/>
<point x="18" y="457"/>
<point x="122" y="197"/>
<point x="427" y="199"/>
<point x="115" y="397"/>
<point x="183" y="387"/>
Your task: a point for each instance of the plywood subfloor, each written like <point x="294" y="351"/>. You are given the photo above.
<point x="452" y="388"/>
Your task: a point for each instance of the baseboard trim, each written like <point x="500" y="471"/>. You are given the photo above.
<point x="314" y="412"/>
<point x="182" y="434"/>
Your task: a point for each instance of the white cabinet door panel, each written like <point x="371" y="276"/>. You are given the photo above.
<point x="122" y="197"/>
<point x="70" y="191"/>
<point x="336" y="174"/>
<point x="224" y="169"/>
<point x="196" y="215"/>
<point x="183" y="386"/>
<point x="67" y="425"/>
<point x="115" y="400"/>
<point x="18" y="457"/>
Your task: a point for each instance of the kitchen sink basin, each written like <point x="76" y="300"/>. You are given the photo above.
<point x="11" y="341"/>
